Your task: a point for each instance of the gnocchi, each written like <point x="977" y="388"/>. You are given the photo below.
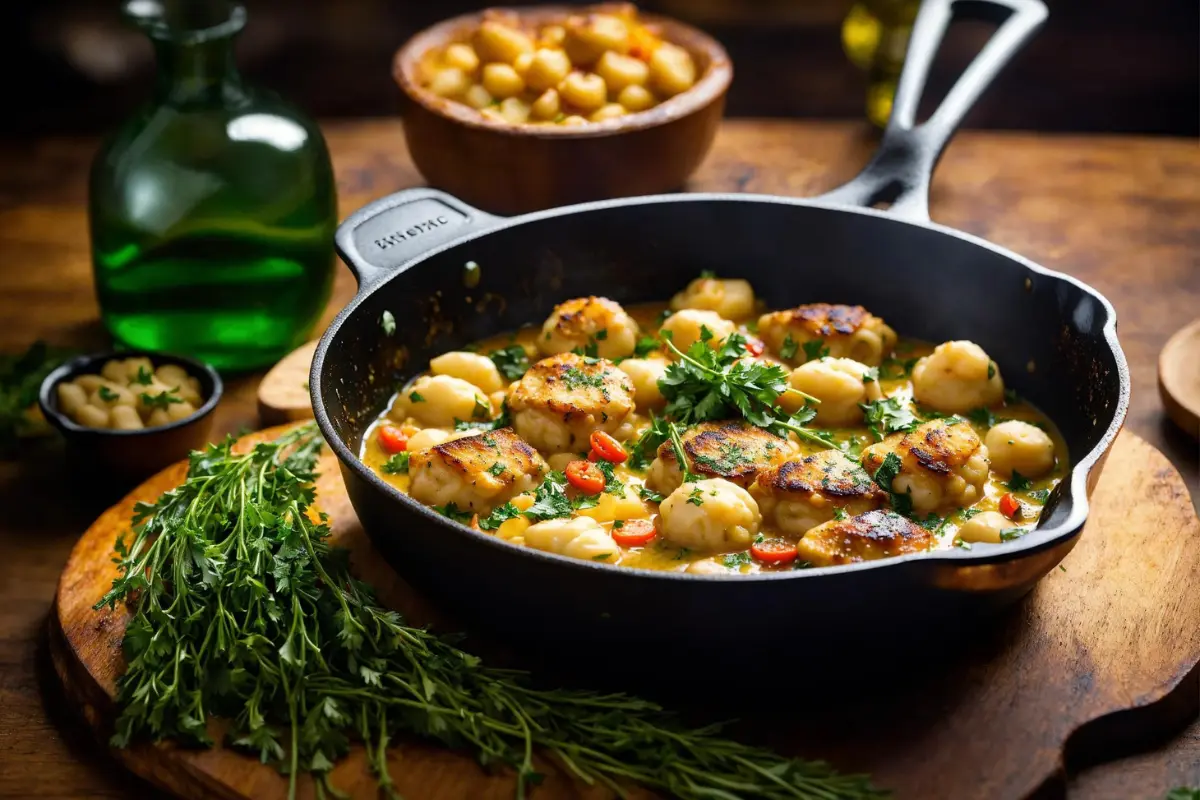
<point x="565" y="436"/>
<point x="130" y="394"/>
<point x="599" y="64"/>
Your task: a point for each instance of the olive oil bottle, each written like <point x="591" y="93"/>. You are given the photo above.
<point x="875" y="37"/>
<point x="212" y="210"/>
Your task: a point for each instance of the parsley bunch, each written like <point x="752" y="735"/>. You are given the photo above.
<point x="241" y="609"/>
<point x="20" y="378"/>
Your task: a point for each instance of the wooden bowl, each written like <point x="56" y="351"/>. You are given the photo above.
<point x="512" y="169"/>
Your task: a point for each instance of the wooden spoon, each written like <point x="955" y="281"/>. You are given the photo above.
<point x="283" y="392"/>
<point x="1179" y="378"/>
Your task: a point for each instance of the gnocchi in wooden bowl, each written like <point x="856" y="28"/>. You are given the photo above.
<point x="709" y="435"/>
<point x="131" y="412"/>
<point x="517" y="110"/>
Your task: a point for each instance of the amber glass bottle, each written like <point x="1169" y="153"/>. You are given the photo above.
<point x="212" y="210"/>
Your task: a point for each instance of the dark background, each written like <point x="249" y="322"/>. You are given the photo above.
<point x="1098" y="65"/>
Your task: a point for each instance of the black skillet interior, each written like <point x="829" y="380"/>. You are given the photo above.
<point x="1053" y="338"/>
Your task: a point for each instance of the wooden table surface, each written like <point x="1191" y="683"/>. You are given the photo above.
<point x="1121" y="213"/>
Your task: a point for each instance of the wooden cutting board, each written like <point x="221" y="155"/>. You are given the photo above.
<point x="1104" y="652"/>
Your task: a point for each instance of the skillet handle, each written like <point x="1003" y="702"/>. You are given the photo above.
<point x="901" y="169"/>
<point x="379" y="238"/>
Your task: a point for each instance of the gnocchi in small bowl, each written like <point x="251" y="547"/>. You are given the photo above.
<point x="131" y="412"/>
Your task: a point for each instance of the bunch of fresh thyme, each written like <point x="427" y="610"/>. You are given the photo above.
<point x="242" y="610"/>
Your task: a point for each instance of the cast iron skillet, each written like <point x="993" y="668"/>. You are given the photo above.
<point x="1053" y="337"/>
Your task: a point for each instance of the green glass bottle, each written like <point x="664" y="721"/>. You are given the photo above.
<point x="212" y="210"/>
<point x="875" y="37"/>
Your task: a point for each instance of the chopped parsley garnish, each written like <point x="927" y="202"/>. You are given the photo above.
<point x="574" y="378"/>
<point x="601" y="334"/>
<point x="1008" y="534"/>
<point x="840" y="514"/>
<point x="612" y="484"/>
<point x="895" y="368"/>
<point x="550" y="501"/>
<point x="962" y="545"/>
<point x="649" y="496"/>
<point x="788" y="349"/>
<point x="889" y="415"/>
<point x="695" y="497"/>
<point x="512" y="361"/>
<point x="991" y="370"/>
<point x="601" y="556"/>
<point x="455" y="513"/>
<point x="160" y="400"/>
<point x="730" y="457"/>
<point x="683" y="553"/>
<point x="967" y="513"/>
<point x="645" y="346"/>
<point x="590" y="350"/>
<point x="618" y="524"/>
<point x="1010" y="396"/>
<point x="496" y="469"/>
<point x="1040" y="495"/>
<point x="499" y="516"/>
<point x="871" y="375"/>
<point x="397" y="464"/>
<point x="145" y="377"/>
<point x="982" y="417"/>
<point x="416" y="397"/>
<point x="736" y="560"/>
<point x="387" y="322"/>
<point x="884" y="476"/>
<point x="502" y="421"/>
<point x="707" y="274"/>
<point x="815" y="350"/>
<point x="482" y="409"/>
<point x="1018" y="482"/>
<point x="107" y="394"/>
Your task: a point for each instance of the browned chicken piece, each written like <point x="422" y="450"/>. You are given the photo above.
<point x="562" y="399"/>
<point x="589" y="321"/>
<point x="848" y="331"/>
<point x="942" y="463"/>
<point x="733" y="449"/>
<point x="804" y="492"/>
<point x="866" y="537"/>
<point x="476" y="473"/>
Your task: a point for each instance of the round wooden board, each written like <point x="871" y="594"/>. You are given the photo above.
<point x="1179" y="378"/>
<point x="1103" y="653"/>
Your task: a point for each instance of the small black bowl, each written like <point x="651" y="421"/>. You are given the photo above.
<point x="132" y="454"/>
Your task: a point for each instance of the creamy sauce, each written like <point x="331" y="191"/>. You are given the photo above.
<point x="663" y="555"/>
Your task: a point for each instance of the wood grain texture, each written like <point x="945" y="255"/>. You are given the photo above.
<point x="1179" y="378"/>
<point x="1118" y="212"/>
<point x="1116" y="632"/>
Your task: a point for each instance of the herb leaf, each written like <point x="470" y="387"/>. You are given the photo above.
<point x="512" y="361"/>
<point x="1018" y="482"/>
<point x="884" y="476"/>
<point x="397" y="464"/>
<point x="889" y="415"/>
<point x="815" y="349"/>
<point x="787" y="350"/>
<point x="387" y="322"/>
<point x="499" y="516"/>
<point x="161" y="400"/>
<point x="645" y="346"/>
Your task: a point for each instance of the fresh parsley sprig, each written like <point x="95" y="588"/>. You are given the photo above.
<point x="240" y="608"/>
<point x="719" y="383"/>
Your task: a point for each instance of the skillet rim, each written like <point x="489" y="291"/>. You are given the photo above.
<point x="1037" y="541"/>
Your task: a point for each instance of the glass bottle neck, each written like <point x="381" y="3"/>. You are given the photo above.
<point x="191" y="72"/>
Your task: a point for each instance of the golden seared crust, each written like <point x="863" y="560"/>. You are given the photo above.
<point x="571" y="386"/>
<point x="866" y="537"/>
<point x="585" y="316"/>
<point x="829" y="473"/>
<point x="475" y="456"/>
<point x="821" y="320"/>
<point x="937" y="446"/>
<point x="734" y="450"/>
